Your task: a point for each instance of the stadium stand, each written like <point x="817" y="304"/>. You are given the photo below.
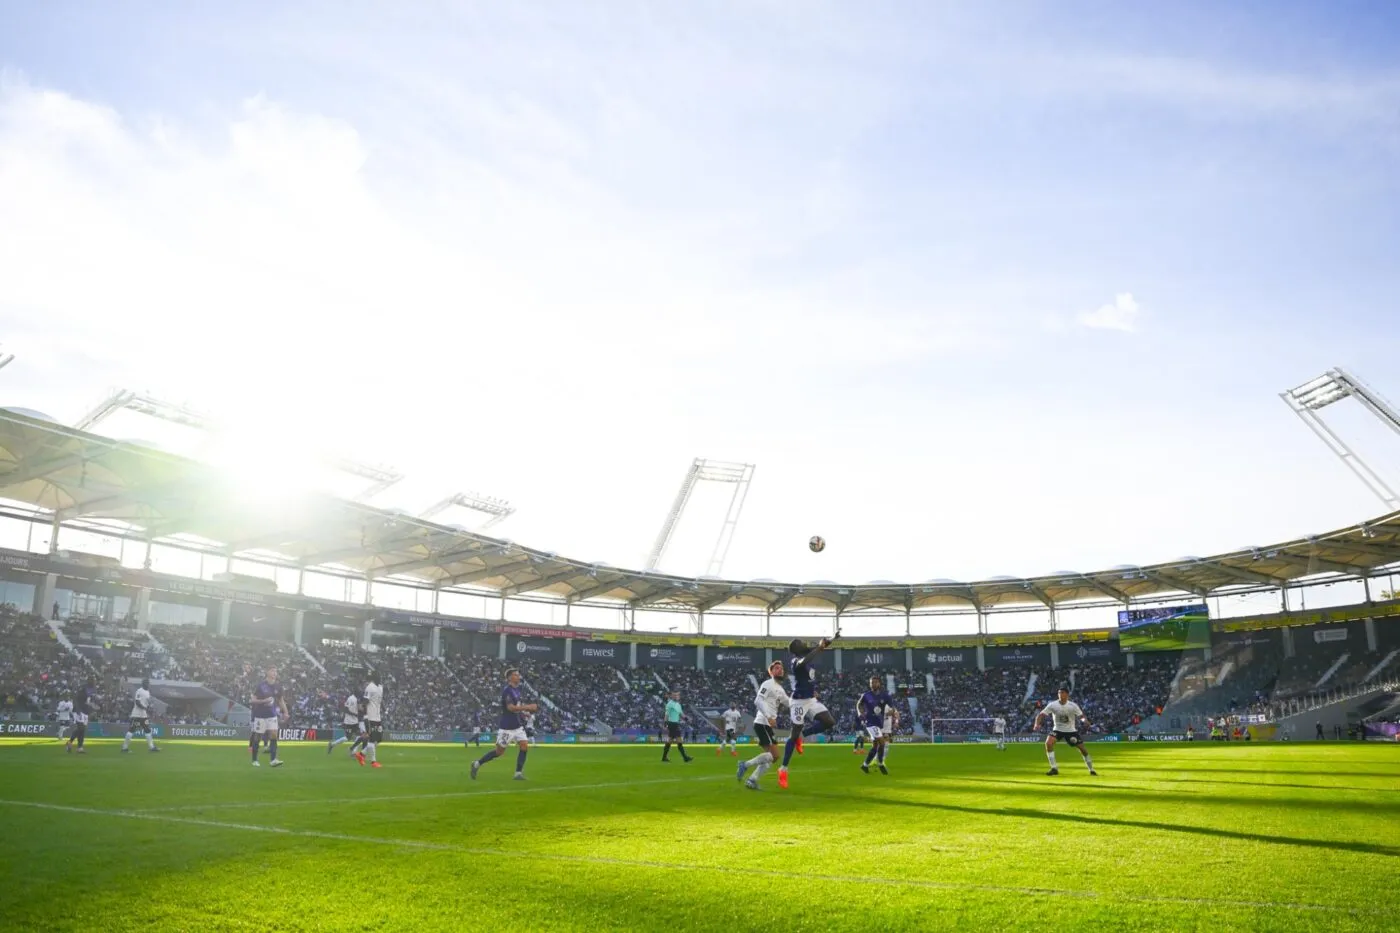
<point x="428" y="694"/>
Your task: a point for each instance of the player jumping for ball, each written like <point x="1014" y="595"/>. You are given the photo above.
<point x="1066" y="716"/>
<point x="768" y="703"/>
<point x="805" y="705"/>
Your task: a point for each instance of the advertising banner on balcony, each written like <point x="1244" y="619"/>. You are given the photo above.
<point x="1018" y="655"/>
<point x="669" y="655"/>
<point x="942" y="659"/>
<point x="534" y="649"/>
<point x="612" y="654"/>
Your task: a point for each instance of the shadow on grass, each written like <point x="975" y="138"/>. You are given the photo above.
<point x="1105" y="787"/>
<point x="1348" y="788"/>
<point x="1244" y="773"/>
<point x="1366" y="848"/>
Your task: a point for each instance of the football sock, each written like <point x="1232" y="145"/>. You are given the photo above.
<point x="870" y="755"/>
<point x="788" y="749"/>
<point x="681" y="747"/>
<point x="253" y="747"/>
<point x="272" y="747"/>
<point x="666" y="752"/>
<point x="493" y="753"/>
<point x="126" y="742"/>
<point x="881" y="755"/>
<point x="1088" y="762"/>
<point x="520" y="761"/>
<point x="815" y="728"/>
<point x="369" y="750"/>
<point x="343" y="738"/>
<point x="758" y="759"/>
<point x="763" y="763"/>
<point x="1051" y="756"/>
<point x="151" y="739"/>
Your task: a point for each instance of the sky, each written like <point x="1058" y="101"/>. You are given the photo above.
<point x="979" y="289"/>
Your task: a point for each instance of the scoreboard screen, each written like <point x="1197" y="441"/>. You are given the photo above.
<point x="1164" y="628"/>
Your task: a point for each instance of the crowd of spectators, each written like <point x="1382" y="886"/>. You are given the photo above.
<point x="461" y="692"/>
<point x="35" y="670"/>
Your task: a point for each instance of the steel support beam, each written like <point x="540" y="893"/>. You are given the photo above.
<point x="1244" y="576"/>
<point x="485" y="573"/>
<point x="1110" y="591"/>
<point x="515" y="589"/>
<point x="38" y="467"/>
<point x="598" y="589"/>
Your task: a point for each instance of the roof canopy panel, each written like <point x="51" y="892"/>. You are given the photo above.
<point x="84" y="476"/>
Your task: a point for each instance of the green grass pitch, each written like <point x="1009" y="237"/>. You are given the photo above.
<point x="1204" y="837"/>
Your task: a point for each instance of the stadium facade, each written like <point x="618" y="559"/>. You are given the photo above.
<point x="317" y="565"/>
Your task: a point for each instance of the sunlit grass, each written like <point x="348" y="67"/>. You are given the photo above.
<point x="1209" y="837"/>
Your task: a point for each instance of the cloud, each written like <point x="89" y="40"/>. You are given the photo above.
<point x="1121" y="314"/>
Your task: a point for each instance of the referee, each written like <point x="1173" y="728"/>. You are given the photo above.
<point x="673" y="727"/>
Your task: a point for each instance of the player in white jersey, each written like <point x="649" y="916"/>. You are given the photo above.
<point x="352" y="724"/>
<point x="1065" y="717"/>
<point x="999" y="730"/>
<point x="374" y="721"/>
<point x="891" y="721"/>
<point x="731" y="718"/>
<point x="140" y="723"/>
<point x="64" y="714"/>
<point x="769" y="702"/>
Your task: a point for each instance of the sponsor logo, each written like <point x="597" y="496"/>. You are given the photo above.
<point x="204" y="732"/>
<point x="936" y="658"/>
<point x="25" y="728"/>
<point x="411" y="736"/>
<point x="1330" y="634"/>
<point x="667" y="654"/>
<point x="873" y="657"/>
<point x="524" y="647"/>
<point x="740" y="657"/>
<point x="10" y="561"/>
<point x="296" y="735"/>
<point x="601" y="652"/>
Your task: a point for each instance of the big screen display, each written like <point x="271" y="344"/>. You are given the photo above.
<point x="1164" y="628"/>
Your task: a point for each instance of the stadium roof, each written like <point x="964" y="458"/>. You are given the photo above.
<point x="77" y="475"/>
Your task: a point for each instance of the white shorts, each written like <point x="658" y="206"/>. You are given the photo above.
<point x="874" y="732"/>
<point x="889" y="727"/>
<point x="64" y="721"/>
<point x="80" y="719"/>
<point x="506" y="737"/>
<point x="802" y="710"/>
<point x="263" y="725"/>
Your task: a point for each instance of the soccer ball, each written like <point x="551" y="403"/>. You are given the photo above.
<point x="817" y="544"/>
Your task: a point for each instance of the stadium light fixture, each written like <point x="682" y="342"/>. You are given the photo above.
<point x="498" y="510"/>
<point x="380" y="477"/>
<point x="715" y="471"/>
<point x="1308" y="400"/>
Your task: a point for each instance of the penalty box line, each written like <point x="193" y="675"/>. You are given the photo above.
<point x="747" y="872"/>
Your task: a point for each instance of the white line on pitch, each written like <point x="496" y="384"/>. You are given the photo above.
<point x="261" y="804"/>
<point x="746" y="871"/>
<point x="258" y="804"/>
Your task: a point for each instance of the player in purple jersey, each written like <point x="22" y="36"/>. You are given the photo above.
<point x="809" y="715"/>
<point x="872" y="708"/>
<point x="266" y="703"/>
<point x="512" y="727"/>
